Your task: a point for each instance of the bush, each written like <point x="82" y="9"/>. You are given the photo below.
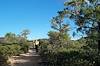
<point x="3" y="60"/>
<point x="10" y="50"/>
<point x="24" y="48"/>
<point x="7" y="51"/>
<point x="69" y="56"/>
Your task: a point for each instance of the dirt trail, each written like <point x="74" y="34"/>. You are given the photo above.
<point x="29" y="59"/>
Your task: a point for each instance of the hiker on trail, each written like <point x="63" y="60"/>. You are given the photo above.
<point x="36" y="45"/>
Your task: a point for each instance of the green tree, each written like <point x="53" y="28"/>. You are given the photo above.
<point x="57" y="23"/>
<point x="60" y="35"/>
<point x="57" y="37"/>
<point x="10" y="38"/>
<point x="85" y="13"/>
<point x="25" y="32"/>
<point x="22" y="38"/>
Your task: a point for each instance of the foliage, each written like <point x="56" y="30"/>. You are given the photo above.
<point x="43" y="46"/>
<point x="14" y="45"/>
<point x="57" y="38"/>
<point x="7" y="51"/>
<point x="24" y="33"/>
<point x="10" y="50"/>
<point x="10" y="38"/>
<point x="3" y="60"/>
<point x="20" y="39"/>
<point x="85" y="13"/>
<point x="70" y="56"/>
<point x="58" y="24"/>
<point x="82" y="52"/>
<point x="24" y="48"/>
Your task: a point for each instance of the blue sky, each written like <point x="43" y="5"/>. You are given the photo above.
<point x="35" y="15"/>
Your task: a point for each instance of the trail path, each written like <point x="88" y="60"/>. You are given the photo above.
<point x="29" y="59"/>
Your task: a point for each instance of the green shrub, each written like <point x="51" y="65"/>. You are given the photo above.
<point x="14" y="49"/>
<point x="69" y="56"/>
<point x="10" y="50"/>
<point x="7" y="51"/>
<point x="24" y="48"/>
